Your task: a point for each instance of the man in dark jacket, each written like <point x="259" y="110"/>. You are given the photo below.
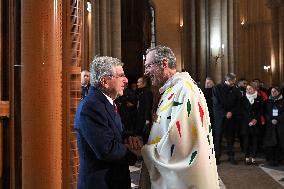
<point x="226" y="101"/>
<point x="85" y="83"/>
<point x="127" y="108"/>
<point x="144" y="107"/>
<point x="241" y="86"/>
<point x="105" y="153"/>
<point x="208" y="92"/>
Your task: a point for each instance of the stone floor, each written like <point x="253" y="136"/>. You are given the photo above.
<point x="135" y="174"/>
<point x="238" y="176"/>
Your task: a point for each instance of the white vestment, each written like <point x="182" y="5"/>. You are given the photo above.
<point x="180" y="151"/>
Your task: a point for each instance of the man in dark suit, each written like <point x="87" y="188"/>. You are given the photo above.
<point x="144" y="107"/>
<point x="226" y="101"/>
<point x="85" y="83"/>
<point x="208" y="92"/>
<point x="105" y="153"/>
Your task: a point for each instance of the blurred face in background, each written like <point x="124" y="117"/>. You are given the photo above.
<point x="231" y="82"/>
<point x="257" y="84"/>
<point x="85" y="77"/>
<point x="243" y="84"/>
<point x="140" y="83"/>
<point x="209" y="83"/>
<point x="274" y="92"/>
<point x="261" y="84"/>
<point x="250" y="89"/>
<point x="133" y="86"/>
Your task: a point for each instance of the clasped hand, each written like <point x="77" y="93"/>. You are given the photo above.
<point x="134" y="144"/>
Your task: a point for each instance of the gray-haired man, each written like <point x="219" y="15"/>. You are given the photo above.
<point x="179" y="153"/>
<point x="105" y="153"/>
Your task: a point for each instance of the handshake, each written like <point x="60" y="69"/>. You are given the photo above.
<point x="134" y="144"/>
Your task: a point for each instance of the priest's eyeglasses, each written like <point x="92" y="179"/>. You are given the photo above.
<point x="147" y="66"/>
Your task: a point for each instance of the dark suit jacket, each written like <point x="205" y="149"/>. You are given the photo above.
<point x="209" y="100"/>
<point x="84" y="91"/>
<point x="104" y="159"/>
<point x="225" y="99"/>
<point x="144" y="112"/>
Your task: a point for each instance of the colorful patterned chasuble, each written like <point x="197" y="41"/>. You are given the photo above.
<point x="180" y="151"/>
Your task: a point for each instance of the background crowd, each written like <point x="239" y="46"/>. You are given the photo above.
<point x="240" y="110"/>
<point x="245" y="111"/>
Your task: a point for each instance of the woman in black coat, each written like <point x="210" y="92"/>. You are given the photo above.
<point x="274" y="138"/>
<point x="251" y="108"/>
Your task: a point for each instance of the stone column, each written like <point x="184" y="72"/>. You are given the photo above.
<point x="229" y="49"/>
<point x="204" y="47"/>
<point x="189" y="31"/>
<point x="234" y="39"/>
<point x="104" y="27"/>
<point x="275" y="44"/>
<point x="107" y="28"/>
<point x="224" y="36"/>
<point x="215" y="17"/>
<point x="115" y="32"/>
<point x="276" y="37"/>
<point x="41" y="94"/>
<point x="281" y="45"/>
<point x="94" y="29"/>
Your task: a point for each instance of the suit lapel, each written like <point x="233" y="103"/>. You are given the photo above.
<point x="115" y="116"/>
<point x="109" y="107"/>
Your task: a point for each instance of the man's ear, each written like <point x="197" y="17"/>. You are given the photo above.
<point x="165" y="63"/>
<point x="103" y="82"/>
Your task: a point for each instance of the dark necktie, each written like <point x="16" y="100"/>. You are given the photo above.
<point x="117" y="117"/>
<point x="115" y="107"/>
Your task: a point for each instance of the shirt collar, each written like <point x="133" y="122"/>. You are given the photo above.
<point x="108" y="98"/>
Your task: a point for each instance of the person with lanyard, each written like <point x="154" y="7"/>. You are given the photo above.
<point x="274" y="140"/>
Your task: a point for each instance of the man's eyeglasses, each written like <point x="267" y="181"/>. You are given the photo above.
<point x="118" y="76"/>
<point x="147" y="66"/>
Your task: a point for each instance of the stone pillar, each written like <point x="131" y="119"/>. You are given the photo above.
<point x="94" y="29"/>
<point x="107" y="28"/>
<point x="204" y="63"/>
<point x="275" y="45"/>
<point x="231" y="32"/>
<point x="274" y="6"/>
<point x="281" y="45"/>
<point x="41" y="94"/>
<point x="215" y="16"/>
<point x="224" y="36"/>
<point x="115" y="28"/>
<point x="189" y="37"/>
<point x="104" y="27"/>
<point x="234" y="39"/>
